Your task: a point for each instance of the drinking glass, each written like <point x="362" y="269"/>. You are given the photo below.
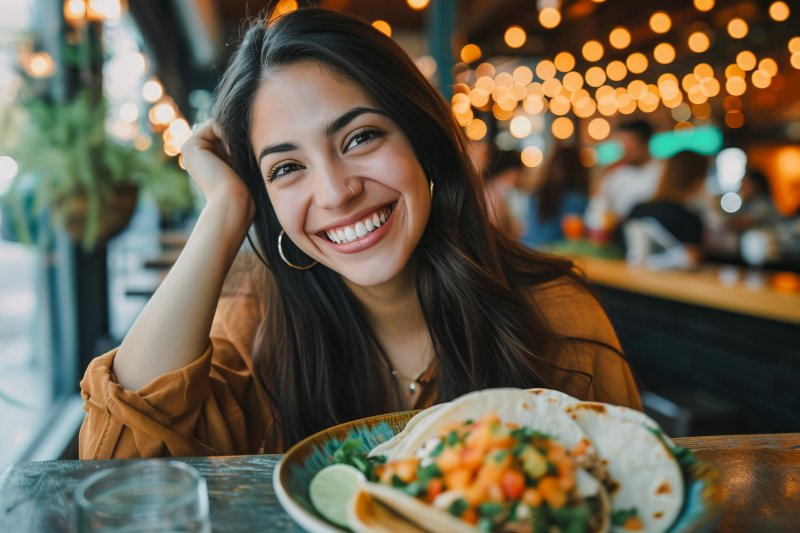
<point x="153" y="496"/>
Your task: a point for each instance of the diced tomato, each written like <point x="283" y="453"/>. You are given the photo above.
<point x="457" y="479"/>
<point x="449" y="460"/>
<point x="435" y="487"/>
<point x="495" y="494"/>
<point x="470" y="515"/>
<point x="513" y="483"/>
<point x="552" y="494"/>
<point x="566" y="480"/>
<point x="633" y="524"/>
<point x="475" y="494"/>
<point x="406" y="470"/>
<point x="471" y="459"/>
<point x="480" y="438"/>
<point x="490" y="473"/>
<point x="531" y="497"/>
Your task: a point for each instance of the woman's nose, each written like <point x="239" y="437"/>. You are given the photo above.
<point x="332" y="187"/>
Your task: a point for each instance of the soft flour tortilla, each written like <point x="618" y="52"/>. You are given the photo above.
<point x="540" y="412"/>
<point x="644" y="473"/>
<point x="385" y="448"/>
<point x="555" y="396"/>
<point x="377" y="508"/>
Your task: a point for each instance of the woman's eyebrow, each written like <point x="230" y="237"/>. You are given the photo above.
<point x="330" y="129"/>
<point x="345" y="118"/>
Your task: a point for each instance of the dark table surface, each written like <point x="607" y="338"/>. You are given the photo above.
<point x="760" y="475"/>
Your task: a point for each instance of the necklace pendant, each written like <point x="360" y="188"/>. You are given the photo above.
<point x="412" y="387"/>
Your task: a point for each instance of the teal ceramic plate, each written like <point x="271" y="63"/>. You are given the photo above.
<point x="295" y="471"/>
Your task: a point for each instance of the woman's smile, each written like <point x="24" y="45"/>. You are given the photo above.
<point x="365" y="232"/>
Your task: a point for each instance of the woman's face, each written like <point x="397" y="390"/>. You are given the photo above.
<point x="342" y="177"/>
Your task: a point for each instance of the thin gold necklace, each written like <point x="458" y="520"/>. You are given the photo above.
<point x="413" y="382"/>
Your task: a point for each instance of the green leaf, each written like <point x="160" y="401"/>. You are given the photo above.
<point x="426" y="473"/>
<point x="458" y="507"/>
<point x="490" y="509"/>
<point x="620" y="516"/>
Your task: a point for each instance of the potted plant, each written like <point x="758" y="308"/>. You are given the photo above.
<point x="71" y="170"/>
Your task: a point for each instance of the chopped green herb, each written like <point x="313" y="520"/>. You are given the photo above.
<point x="397" y="482"/>
<point x="512" y="512"/>
<point x="452" y="439"/>
<point x="415" y="488"/>
<point x="571" y="519"/>
<point x="437" y="451"/>
<point x="458" y="507"/>
<point x="551" y="469"/>
<point x="527" y="434"/>
<point x="620" y="516"/>
<point x="485" y="524"/>
<point x="490" y="509"/>
<point x="499" y="456"/>
<point x="684" y="456"/>
<point x="426" y="473"/>
<point x="469" y="422"/>
<point x="353" y="452"/>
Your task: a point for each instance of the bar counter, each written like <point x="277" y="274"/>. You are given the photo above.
<point x="723" y="288"/>
<point x="708" y="331"/>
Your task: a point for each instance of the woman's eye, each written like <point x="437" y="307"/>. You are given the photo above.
<point x="282" y="170"/>
<point x="362" y="137"/>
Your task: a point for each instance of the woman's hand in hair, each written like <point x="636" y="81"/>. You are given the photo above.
<point x="208" y="162"/>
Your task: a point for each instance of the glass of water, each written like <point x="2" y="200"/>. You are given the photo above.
<point x="154" y="496"/>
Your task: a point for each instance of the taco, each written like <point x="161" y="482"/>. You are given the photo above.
<point x="498" y="460"/>
<point x="644" y="479"/>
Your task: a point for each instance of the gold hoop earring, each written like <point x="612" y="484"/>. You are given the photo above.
<point x="280" y="251"/>
<point x="431" y="189"/>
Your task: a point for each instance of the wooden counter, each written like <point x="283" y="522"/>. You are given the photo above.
<point x="704" y="288"/>
<point x="760" y="476"/>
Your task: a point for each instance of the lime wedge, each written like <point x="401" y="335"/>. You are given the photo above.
<point x="332" y="489"/>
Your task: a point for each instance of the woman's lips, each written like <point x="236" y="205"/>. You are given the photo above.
<point x="370" y="239"/>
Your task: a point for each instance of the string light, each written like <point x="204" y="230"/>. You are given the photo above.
<point x="470" y="53"/>
<point x="383" y="27"/>
<point x="592" y="51"/>
<point x="746" y="60"/>
<point x="545" y="69"/>
<point x="418" y="4"/>
<point x="564" y="61"/>
<point x="699" y="42"/>
<point x="737" y="28"/>
<point x="660" y="22"/>
<point x="520" y="127"/>
<point x="619" y="38"/>
<point x="636" y="63"/>
<point x="562" y="128"/>
<point x="595" y="76"/>
<point x="531" y="156"/>
<point x="599" y="129"/>
<point x="664" y="53"/>
<point x="779" y="11"/>
<point x="476" y="129"/>
<point x="549" y="17"/>
<point x="704" y="5"/>
<point x="515" y="36"/>
<point x="522" y="75"/>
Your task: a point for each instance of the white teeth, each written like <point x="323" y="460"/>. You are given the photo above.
<point x="360" y="229"/>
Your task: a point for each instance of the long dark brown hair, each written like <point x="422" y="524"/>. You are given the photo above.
<point x="562" y="173"/>
<point x="316" y="354"/>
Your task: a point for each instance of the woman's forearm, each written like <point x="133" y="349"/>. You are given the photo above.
<point x="173" y="329"/>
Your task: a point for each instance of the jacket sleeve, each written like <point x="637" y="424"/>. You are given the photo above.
<point x="590" y="369"/>
<point x="212" y="406"/>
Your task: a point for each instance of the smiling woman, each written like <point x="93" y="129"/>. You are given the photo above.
<point x="380" y="284"/>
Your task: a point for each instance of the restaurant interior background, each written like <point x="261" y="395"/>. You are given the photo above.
<point x="97" y="96"/>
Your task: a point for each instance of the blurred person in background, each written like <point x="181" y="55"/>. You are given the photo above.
<point x="663" y="232"/>
<point x="500" y="190"/>
<point x="758" y="209"/>
<point x="563" y="191"/>
<point x="632" y="180"/>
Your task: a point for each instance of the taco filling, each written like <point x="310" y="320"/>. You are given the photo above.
<point x="501" y="477"/>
